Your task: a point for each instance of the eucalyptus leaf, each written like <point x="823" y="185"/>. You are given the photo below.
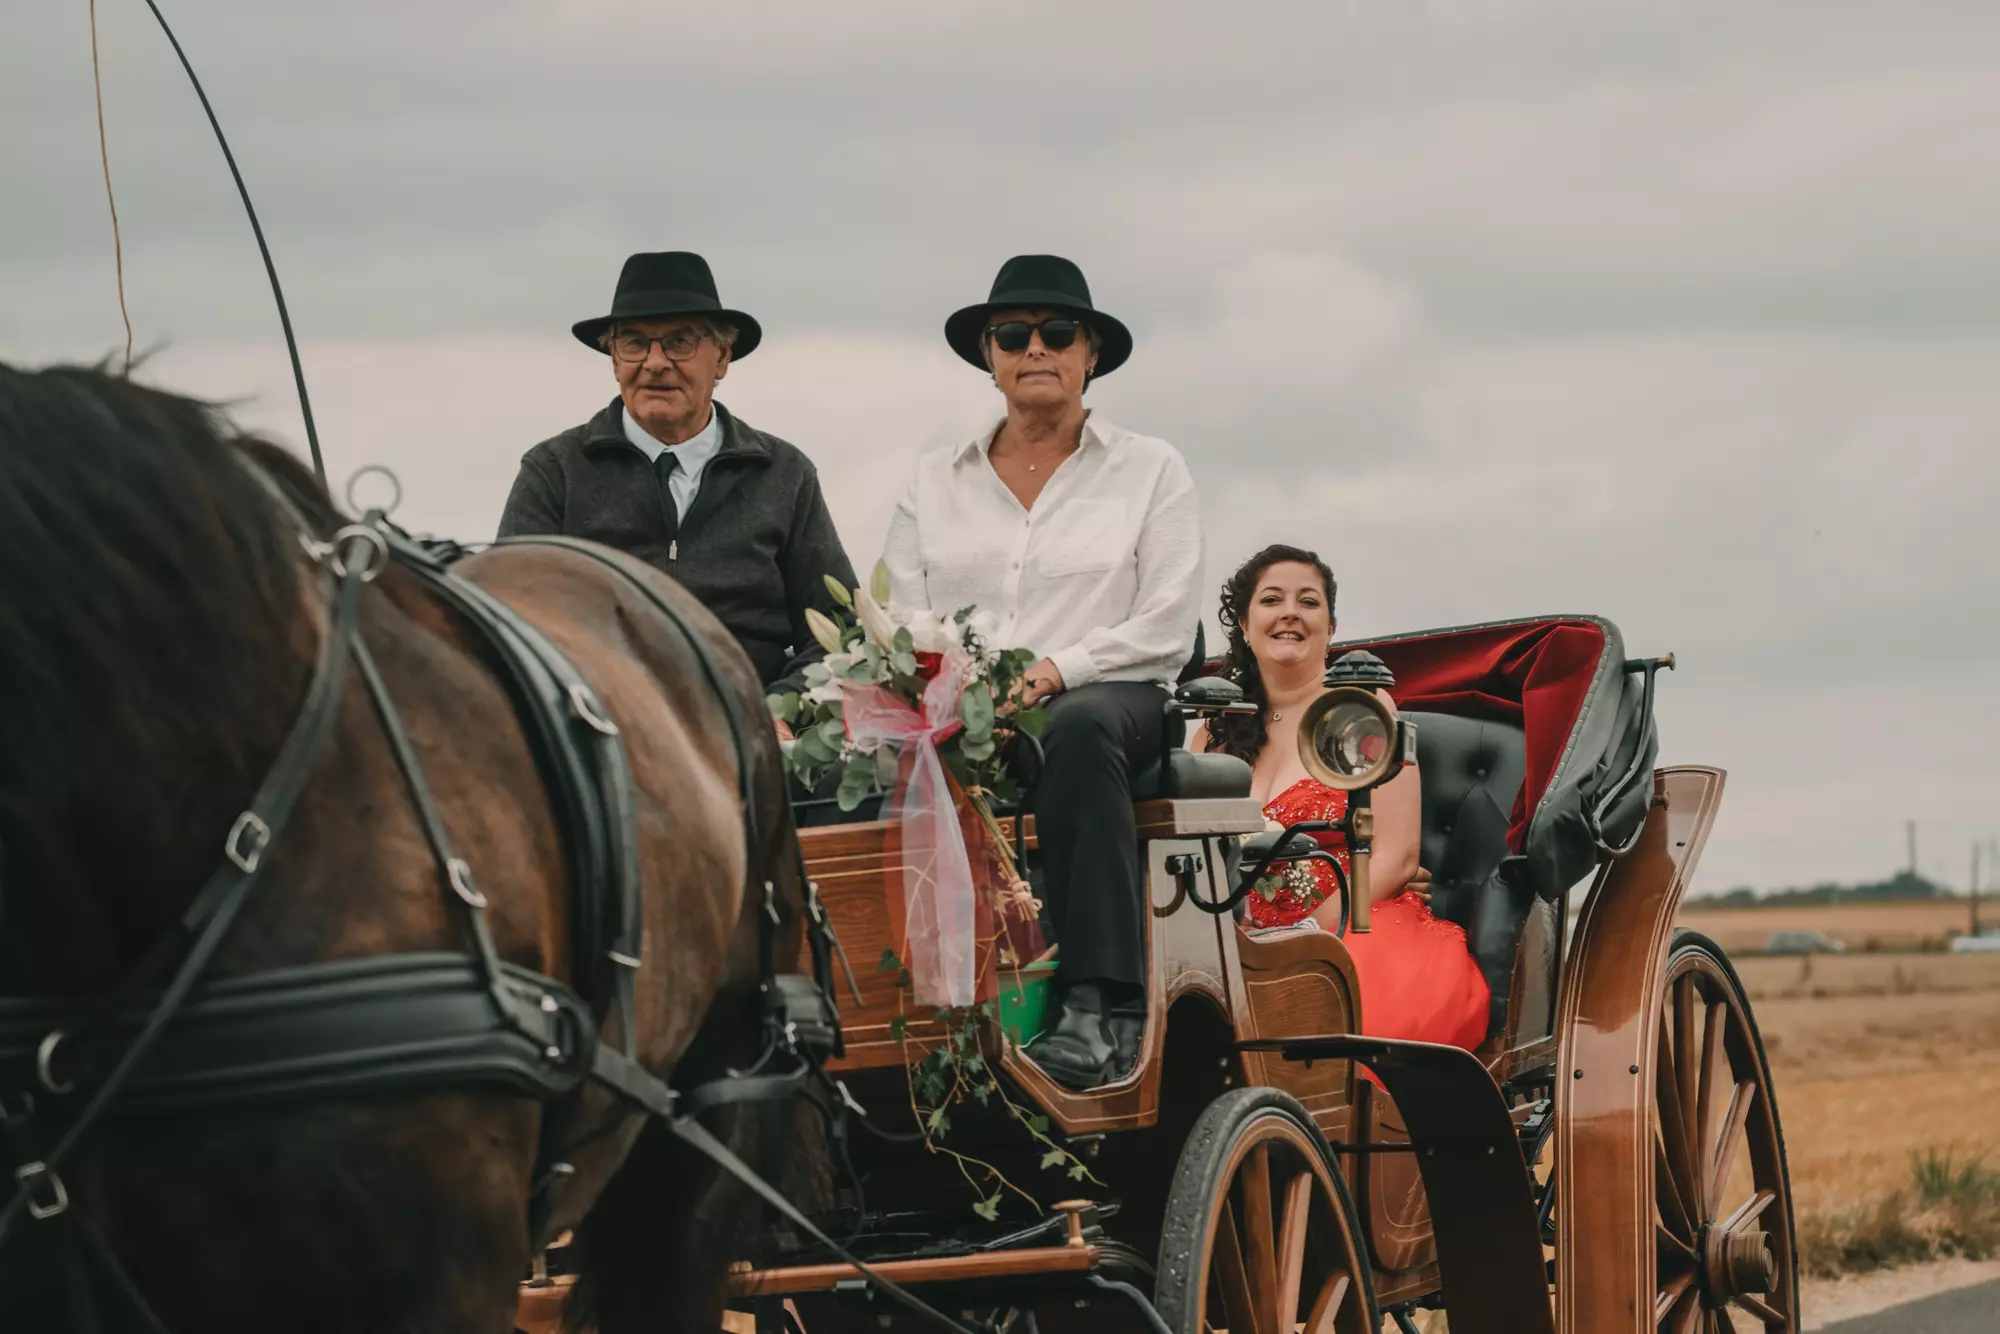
<point x="903" y="661"/>
<point x="976" y="707"/>
<point x="817" y="674"/>
<point x="905" y="642"/>
<point x="1033" y="721"/>
<point x="831" y="733"/>
<point x="783" y="707"/>
<point x="887" y="762"/>
<point x="978" y="750"/>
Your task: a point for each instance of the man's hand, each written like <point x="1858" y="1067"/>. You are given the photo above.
<point x="1037" y="684"/>
<point x="784" y="729"/>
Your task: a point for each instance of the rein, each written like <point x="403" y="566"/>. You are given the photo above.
<point x="415" y="1021"/>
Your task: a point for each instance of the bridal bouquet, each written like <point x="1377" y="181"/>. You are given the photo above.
<point x="909" y="702"/>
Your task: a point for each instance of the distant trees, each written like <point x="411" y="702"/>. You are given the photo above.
<point x="1902" y="885"/>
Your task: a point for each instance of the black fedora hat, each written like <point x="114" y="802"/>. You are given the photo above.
<point x="665" y="283"/>
<point x="1039" y="282"/>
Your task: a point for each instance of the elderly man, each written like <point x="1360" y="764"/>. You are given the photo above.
<point x="670" y="475"/>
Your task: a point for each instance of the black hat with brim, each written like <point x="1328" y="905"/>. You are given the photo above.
<point x="1039" y="282"/>
<point x="665" y="284"/>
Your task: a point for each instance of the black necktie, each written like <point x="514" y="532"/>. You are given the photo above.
<point x="666" y="466"/>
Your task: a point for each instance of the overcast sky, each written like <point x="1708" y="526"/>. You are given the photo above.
<point x="1683" y="314"/>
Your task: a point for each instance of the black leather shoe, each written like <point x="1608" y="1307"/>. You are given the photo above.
<point x="1079" y="1052"/>
<point x="1128" y="1030"/>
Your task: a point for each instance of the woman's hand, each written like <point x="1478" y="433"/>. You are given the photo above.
<point x="1420" y="885"/>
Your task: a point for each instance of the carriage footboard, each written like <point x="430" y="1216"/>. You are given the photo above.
<point x="1482" y="1207"/>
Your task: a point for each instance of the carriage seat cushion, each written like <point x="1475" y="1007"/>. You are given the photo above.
<point x="1185" y="775"/>
<point x="1472" y="772"/>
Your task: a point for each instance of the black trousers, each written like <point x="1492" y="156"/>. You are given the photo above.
<point x="1094" y="899"/>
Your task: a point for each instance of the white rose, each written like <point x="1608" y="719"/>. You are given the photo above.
<point x="933" y="634"/>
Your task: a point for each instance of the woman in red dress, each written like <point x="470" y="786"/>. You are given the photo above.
<point x="1418" y="979"/>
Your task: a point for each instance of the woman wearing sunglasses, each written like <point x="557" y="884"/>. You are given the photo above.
<point x="1084" y="540"/>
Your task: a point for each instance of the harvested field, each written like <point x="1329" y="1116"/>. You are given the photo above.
<point x="1861" y="926"/>
<point x="1877" y="1061"/>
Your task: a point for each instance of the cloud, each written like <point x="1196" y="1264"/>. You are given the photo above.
<point x="1680" y="314"/>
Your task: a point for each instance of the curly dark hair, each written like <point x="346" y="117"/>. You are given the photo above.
<point x="1240" y="734"/>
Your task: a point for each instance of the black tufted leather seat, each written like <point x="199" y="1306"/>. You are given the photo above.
<point x="1472" y="774"/>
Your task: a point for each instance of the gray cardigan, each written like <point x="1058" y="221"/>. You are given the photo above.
<point x="755" y="546"/>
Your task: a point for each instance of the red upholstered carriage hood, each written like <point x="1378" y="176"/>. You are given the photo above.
<point x="1536" y="675"/>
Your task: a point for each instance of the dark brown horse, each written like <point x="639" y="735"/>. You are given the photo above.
<point x="158" y="626"/>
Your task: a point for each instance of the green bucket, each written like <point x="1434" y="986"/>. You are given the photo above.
<point x="1024" y="1000"/>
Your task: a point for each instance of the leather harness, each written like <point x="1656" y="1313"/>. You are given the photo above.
<point x="403" y="1023"/>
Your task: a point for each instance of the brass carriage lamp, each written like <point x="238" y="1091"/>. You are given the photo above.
<point x="1349" y="739"/>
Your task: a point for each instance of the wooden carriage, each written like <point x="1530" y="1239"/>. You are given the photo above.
<point x="1609" y="1159"/>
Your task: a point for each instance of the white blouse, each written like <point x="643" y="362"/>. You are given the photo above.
<point x="1102" y="576"/>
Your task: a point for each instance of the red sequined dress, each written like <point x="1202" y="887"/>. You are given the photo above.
<point x="1418" y="979"/>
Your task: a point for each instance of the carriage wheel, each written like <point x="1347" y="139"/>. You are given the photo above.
<point x="1261" y="1236"/>
<point x="1727" y="1261"/>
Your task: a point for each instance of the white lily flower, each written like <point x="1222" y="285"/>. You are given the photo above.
<point x="875" y="622"/>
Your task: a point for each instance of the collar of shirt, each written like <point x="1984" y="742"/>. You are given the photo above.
<point x="694" y="452"/>
<point x="982" y="444"/>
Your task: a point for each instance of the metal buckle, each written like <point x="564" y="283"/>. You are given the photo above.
<point x="622" y="960"/>
<point x="232" y="847"/>
<point x="460" y="876"/>
<point x="374" y="558"/>
<point x="28" y="1174"/>
<point x="812" y="902"/>
<point x="585" y="705"/>
<point x="771" y="903"/>
<point x="45" y="1056"/>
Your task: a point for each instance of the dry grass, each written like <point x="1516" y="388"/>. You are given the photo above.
<point x="1951" y="1207"/>
<point x="1863" y="926"/>
<point x="1887" y="1072"/>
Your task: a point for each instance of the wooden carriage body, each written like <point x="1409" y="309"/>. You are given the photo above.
<point x="1438" y="1164"/>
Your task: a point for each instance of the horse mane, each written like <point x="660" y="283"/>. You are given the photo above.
<point x="155" y="640"/>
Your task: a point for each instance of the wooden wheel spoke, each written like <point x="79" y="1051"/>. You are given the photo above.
<point x="1238" y="1306"/>
<point x="1332" y="1296"/>
<point x="1673" y="1129"/>
<point x="1713" y="1052"/>
<point x="1749" y="1209"/>
<point x="1673" y="1209"/>
<point x="1260" y="1250"/>
<point x="1670" y="1293"/>
<point x="1687" y="1061"/>
<point x="1292" y="1250"/>
<point x="1760" y="1308"/>
<point x="1681" y="1317"/>
<point x="1672" y="1248"/>
<point x="1733" y="1122"/>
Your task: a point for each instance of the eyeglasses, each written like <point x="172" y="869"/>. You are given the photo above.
<point x="1013" y="335"/>
<point x="678" y="345"/>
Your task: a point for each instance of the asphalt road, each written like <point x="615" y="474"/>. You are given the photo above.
<point x="1973" y="1310"/>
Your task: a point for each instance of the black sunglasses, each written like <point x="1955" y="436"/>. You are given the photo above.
<point x="1013" y="335"/>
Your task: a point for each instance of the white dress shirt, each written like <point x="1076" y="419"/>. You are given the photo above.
<point x="694" y="454"/>
<point x="1102" y="577"/>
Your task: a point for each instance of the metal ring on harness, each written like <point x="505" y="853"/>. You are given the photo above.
<point x="45" y="1056"/>
<point x="27" y="1174"/>
<point x="232" y="847"/>
<point x="377" y="555"/>
<point x="460" y="876"/>
<point x="586" y="708"/>
<point x="395" y="492"/>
